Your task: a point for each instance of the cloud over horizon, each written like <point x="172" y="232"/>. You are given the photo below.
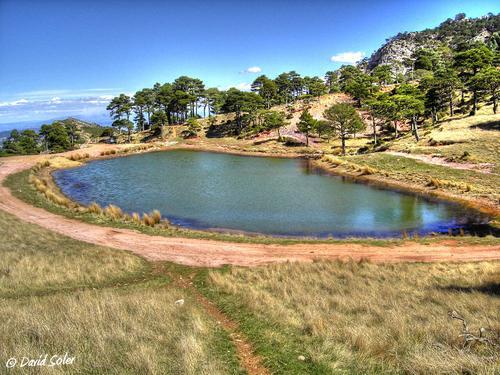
<point x="349" y="57"/>
<point x="42" y="109"/>
<point x="253" y="69"/>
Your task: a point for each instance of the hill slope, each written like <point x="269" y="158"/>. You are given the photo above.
<point x="399" y="50"/>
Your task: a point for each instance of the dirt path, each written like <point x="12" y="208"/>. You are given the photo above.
<point x="196" y="252"/>
<point x="251" y="362"/>
<point x="481" y="168"/>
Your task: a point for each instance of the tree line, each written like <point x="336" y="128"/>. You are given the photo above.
<point x="439" y="81"/>
<point x="59" y="136"/>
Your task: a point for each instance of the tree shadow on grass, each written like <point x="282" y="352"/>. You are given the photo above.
<point x="490" y="125"/>
<point x="492" y="289"/>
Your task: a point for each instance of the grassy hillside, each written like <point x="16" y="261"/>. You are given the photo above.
<point x="364" y="318"/>
<point x="112" y="311"/>
<point x="116" y="313"/>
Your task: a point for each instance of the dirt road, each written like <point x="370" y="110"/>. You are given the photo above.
<point x="196" y="252"/>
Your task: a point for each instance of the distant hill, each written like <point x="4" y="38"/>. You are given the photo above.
<point x="399" y="50"/>
<point x="87" y="129"/>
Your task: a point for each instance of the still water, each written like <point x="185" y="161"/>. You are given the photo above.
<point x="274" y="196"/>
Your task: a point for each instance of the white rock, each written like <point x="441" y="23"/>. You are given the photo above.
<point x="179" y="302"/>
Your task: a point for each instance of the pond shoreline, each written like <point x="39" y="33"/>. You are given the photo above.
<point x="371" y="180"/>
<point x="482" y="206"/>
<point x="216" y="251"/>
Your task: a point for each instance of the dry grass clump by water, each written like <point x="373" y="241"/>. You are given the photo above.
<point x="43" y="187"/>
<point x="367" y="318"/>
<point x="114" y="212"/>
<point x="78" y="156"/>
<point x="439" y="183"/>
<point x="349" y="166"/>
<point x="152" y="218"/>
<point x="130" y="149"/>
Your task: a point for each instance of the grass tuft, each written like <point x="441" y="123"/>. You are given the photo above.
<point x="94" y="208"/>
<point x="114" y="212"/>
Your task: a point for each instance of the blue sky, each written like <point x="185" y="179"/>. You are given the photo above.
<point x="61" y="58"/>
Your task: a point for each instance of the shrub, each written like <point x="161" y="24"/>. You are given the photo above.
<point x="367" y="171"/>
<point x="434" y="182"/>
<point x="113" y="212"/>
<point x="136" y="218"/>
<point x="156" y="216"/>
<point x="94" y="208"/>
<point x="148" y="220"/>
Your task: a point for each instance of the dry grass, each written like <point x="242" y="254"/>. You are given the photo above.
<point x="33" y="259"/>
<point x="114" y="212"/>
<point x="42" y="186"/>
<point x="362" y="170"/>
<point x="94" y="208"/>
<point x="62" y="162"/>
<point x="102" y="306"/>
<point x="132" y="331"/>
<point x="78" y="156"/>
<point x="469" y="139"/>
<point x="366" y="318"/>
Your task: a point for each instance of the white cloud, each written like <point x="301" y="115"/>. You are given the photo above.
<point x="13" y="103"/>
<point x="253" y="69"/>
<point x="348" y="57"/>
<point x="23" y="109"/>
<point x="243" y="86"/>
<point x="106" y="97"/>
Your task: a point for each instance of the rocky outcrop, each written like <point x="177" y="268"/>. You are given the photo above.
<point x="398" y="52"/>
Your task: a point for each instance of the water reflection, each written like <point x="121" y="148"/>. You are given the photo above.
<point x="265" y="195"/>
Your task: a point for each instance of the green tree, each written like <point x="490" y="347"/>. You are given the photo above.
<point x="306" y="124"/>
<point x="332" y="81"/>
<point x="241" y="102"/>
<point x="215" y="100"/>
<point x="344" y="120"/>
<point x="314" y="86"/>
<point x="383" y="74"/>
<point x="55" y="137"/>
<point x="360" y="87"/>
<point x="469" y="63"/>
<point x="126" y="124"/>
<point x="322" y="127"/>
<point x="266" y="88"/>
<point x="139" y="105"/>
<point x="25" y="142"/>
<point x="274" y="120"/>
<point x="120" y="107"/>
<point x="376" y="105"/>
<point x="488" y="81"/>
<point x="445" y="83"/>
<point x="159" y="120"/>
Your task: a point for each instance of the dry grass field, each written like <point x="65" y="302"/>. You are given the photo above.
<point x="365" y="318"/>
<point x="107" y="308"/>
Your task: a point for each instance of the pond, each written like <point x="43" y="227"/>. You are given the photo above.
<point x="275" y="196"/>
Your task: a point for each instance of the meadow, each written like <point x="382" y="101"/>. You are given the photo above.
<point x="116" y="313"/>
<point x="112" y="311"/>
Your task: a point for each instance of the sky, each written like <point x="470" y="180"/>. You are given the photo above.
<point x="69" y="57"/>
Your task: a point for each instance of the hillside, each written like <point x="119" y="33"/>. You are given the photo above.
<point x="399" y="51"/>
